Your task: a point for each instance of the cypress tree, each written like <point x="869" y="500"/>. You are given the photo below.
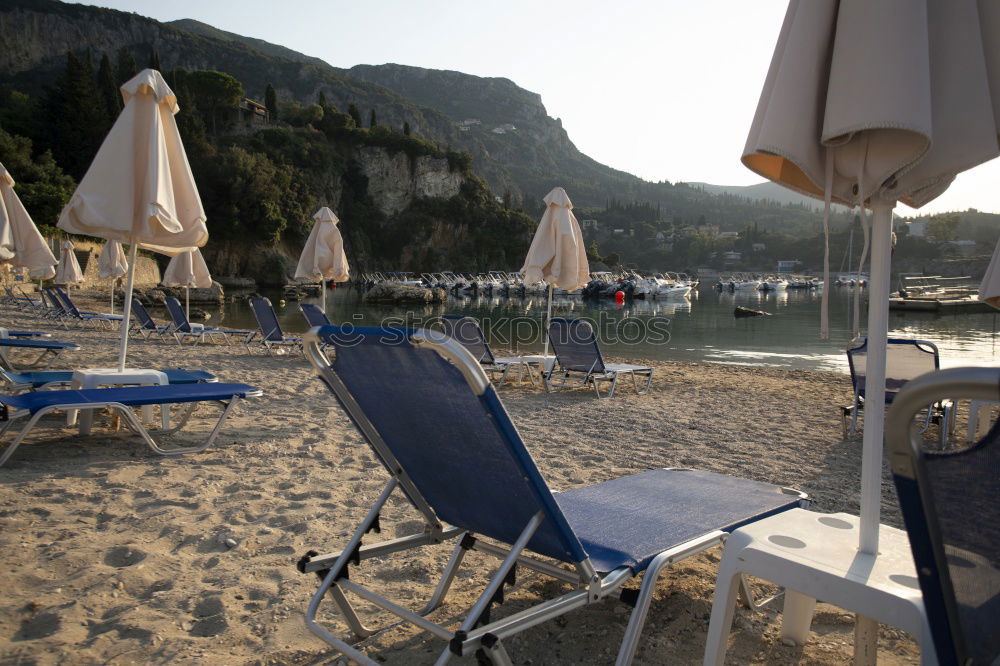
<point x="353" y="112"/>
<point x="371" y="119"/>
<point x="107" y="90"/>
<point x="77" y="119"/>
<point x="406" y="128"/>
<point x="126" y="66"/>
<point x="154" y="60"/>
<point x="322" y="100"/>
<point x="271" y="102"/>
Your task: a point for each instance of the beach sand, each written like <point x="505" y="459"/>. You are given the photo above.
<point x="112" y="554"/>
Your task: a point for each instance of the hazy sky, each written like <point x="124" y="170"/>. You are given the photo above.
<point x="664" y="89"/>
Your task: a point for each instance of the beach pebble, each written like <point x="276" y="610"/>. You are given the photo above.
<point x="790" y="642"/>
<point x="230" y="543"/>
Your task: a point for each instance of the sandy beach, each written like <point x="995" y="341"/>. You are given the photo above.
<point x="112" y="554"/>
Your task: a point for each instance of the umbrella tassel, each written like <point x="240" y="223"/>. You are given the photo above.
<point x="866" y="227"/>
<point x="824" y="317"/>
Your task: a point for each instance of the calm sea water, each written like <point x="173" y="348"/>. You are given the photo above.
<point x="700" y="329"/>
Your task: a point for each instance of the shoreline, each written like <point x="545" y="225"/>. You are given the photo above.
<point x="114" y="554"/>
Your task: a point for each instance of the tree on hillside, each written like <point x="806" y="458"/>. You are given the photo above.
<point x="126" y="66"/>
<point x="372" y="122"/>
<point x="154" y="60"/>
<point x="406" y="128"/>
<point x="322" y="99"/>
<point x="943" y="227"/>
<point x="355" y="115"/>
<point x="213" y="92"/>
<point x="271" y="102"/>
<point x="76" y="116"/>
<point x="41" y="184"/>
<point x="107" y="89"/>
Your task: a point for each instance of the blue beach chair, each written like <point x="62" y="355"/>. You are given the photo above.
<point x="577" y="354"/>
<point x="904" y="360"/>
<point x="34" y="406"/>
<point x="314" y="315"/>
<point x="182" y="329"/>
<point x="72" y="313"/>
<point x="427" y="409"/>
<point x="20" y="382"/>
<point x="952" y="516"/>
<point x="48" y="350"/>
<point x="470" y="335"/>
<point x="144" y="325"/>
<point x="269" y="336"/>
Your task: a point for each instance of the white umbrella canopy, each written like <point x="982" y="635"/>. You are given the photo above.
<point x="139" y="189"/>
<point x="68" y="271"/>
<point x="187" y="270"/>
<point x="112" y="264"/>
<point x="872" y="103"/>
<point x="557" y="254"/>
<point x="989" y="290"/>
<point x="323" y="256"/>
<point x="20" y="242"/>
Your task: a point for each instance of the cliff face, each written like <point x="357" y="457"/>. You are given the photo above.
<point x="395" y="180"/>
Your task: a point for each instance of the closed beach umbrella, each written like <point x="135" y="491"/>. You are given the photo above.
<point x="139" y="189"/>
<point x="20" y="242"/>
<point x="872" y="103"/>
<point x="188" y="270"/>
<point x="323" y="256"/>
<point x="112" y="265"/>
<point x="557" y="254"/>
<point x="989" y="290"/>
<point x="68" y="271"/>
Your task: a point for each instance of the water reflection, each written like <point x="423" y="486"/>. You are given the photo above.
<point x="700" y="329"/>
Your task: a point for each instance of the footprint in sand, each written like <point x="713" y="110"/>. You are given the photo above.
<point x="123" y="556"/>
<point x="211" y="618"/>
<point x="39" y="626"/>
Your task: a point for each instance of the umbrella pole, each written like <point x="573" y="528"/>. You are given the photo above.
<point x="322" y="294"/>
<point x="187" y="303"/>
<point x="878" y="333"/>
<point x="127" y="310"/>
<point x="113" y="280"/>
<point x="548" y="319"/>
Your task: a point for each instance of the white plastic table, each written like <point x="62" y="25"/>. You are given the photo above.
<point x="815" y="556"/>
<point x="539" y="359"/>
<point x="88" y="378"/>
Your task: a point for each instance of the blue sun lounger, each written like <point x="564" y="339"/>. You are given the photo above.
<point x="144" y="325"/>
<point x="19" y="382"/>
<point x="182" y="329"/>
<point x="314" y="315"/>
<point x="48" y="349"/>
<point x="34" y="406"/>
<point x="578" y="354"/>
<point x="952" y="516"/>
<point x="74" y="314"/>
<point x="269" y="336"/>
<point x="427" y="409"/>
<point x="469" y="334"/>
<point x="25" y="334"/>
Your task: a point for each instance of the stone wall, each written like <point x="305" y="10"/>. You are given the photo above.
<point x="147" y="273"/>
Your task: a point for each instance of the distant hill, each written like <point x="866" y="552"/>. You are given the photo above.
<point x="199" y="28"/>
<point x="766" y="191"/>
<point x="516" y="146"/>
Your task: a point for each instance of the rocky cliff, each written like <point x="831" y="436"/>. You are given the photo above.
<point x="395" y="180"/>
